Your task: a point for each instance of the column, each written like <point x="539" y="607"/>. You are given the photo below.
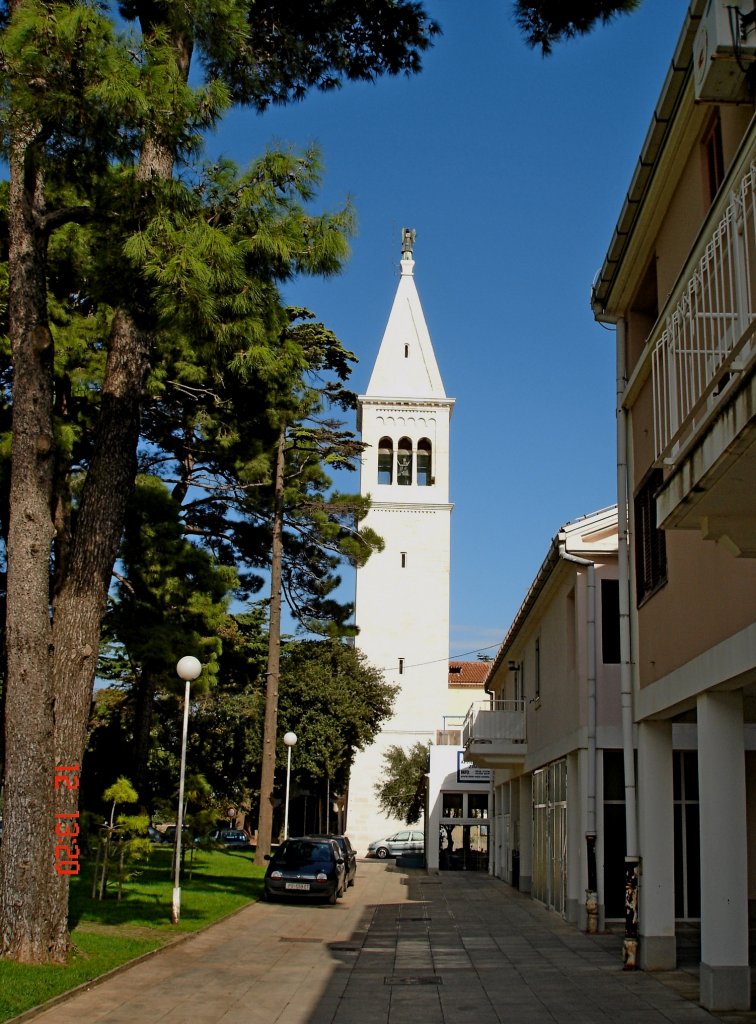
<point x="725" y="974"/>
<point x="576" y="802"/>
<point x="526" y="833"/>
<point x="656" y="836"/>
<point x="513" y="838"/>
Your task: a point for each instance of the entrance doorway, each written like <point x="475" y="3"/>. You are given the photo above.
<point x="463" y="847"/>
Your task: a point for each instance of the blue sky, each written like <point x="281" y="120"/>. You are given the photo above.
<point x="512" y="169"/>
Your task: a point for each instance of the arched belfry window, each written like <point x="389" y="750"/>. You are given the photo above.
<point x="404" y="461"/>
<point x="385" y="461"/>
<point x="424" y="463"/>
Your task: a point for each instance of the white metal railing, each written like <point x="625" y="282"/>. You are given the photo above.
<point x="490" y="721"/>
<point x="707" y="335"/>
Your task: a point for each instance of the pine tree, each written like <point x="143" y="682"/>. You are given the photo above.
<point x="104" y="121"/>
<point x="546" y="22"/>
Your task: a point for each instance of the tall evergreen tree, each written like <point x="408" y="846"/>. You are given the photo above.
<point x="171" y="596"/>
<point x="76" y="97"/>
<point x="546" y="22"/>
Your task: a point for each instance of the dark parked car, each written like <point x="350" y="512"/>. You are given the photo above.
<point x="158" y="837"/>
<point x="347" y="852"/>
<point x="231" y="838"/>
<point x="306" y="867"/>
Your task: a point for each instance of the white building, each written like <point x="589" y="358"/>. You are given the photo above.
<point x="402" y="597"/>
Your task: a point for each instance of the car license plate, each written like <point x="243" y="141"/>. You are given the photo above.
<point x="302" y="886"/>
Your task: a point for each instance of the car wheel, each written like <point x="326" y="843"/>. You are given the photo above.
<point x="382" y="852"/>
<point x="333" y="896"/>
<point x="350" y="883"/>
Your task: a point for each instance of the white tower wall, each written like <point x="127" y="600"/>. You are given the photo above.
<point x="402" y="593"/>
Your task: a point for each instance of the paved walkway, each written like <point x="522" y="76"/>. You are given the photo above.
<point x="402" y="947"/>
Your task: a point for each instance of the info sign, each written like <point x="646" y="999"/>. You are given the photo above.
<point x="467" y="772"/>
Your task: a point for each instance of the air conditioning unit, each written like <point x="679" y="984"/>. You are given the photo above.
<point x="724" y="48"/>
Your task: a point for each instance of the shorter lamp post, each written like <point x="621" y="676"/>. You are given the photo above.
<point x="290" y="740"/>
<point x="188" y="669"/>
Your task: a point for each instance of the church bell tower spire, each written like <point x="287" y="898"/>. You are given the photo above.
<point x="402" y="593"/>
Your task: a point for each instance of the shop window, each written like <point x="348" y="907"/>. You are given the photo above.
<point x="385" y="461"/>
<point x="650" y="541"/>
<point x="404" y="462"/>
<point x="424" y="451"/>
<point x="687" y="835"/>
<point x="477" y="805"/>
<point x="451" y="805"/>
<point x="614" y="833"/>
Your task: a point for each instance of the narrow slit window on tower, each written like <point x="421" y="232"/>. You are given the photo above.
<point x="401" y="666"/>
<point x="406" y="351"/>
<point x="404" y="461"/>
<point x="424" y="466"/>
<point x="404" y="559"/>
<point x="385" y="461"/>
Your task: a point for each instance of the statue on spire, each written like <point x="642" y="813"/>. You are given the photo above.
<point x="408" y="243"/>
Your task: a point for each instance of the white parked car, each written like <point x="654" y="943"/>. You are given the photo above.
<point x="405" y="841"/>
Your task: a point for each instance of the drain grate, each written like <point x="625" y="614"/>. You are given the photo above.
<point x="421" y="920"/>
<point x="297" y="938"/>
<point x="413" y="979"/>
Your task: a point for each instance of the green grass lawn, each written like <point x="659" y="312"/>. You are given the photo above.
<point x="107" y="933"/>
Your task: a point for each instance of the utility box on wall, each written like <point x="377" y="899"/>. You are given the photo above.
<point x="723" y="51"/>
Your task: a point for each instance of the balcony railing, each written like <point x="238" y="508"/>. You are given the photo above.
<point x="706" y="337"/>
<point x="495" y="722"/>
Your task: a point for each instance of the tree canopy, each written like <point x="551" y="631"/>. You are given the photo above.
<point x="401" y="794"/>
<point x="330" y="697"/>
<point x="544" y="23"/>
<point x="126" y="282"/>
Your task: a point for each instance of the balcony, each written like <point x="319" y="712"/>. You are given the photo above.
<point x="704" y="394"/>
<point x="494" y="734"/>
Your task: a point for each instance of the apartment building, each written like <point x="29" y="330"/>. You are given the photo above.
<point x="551" y="733"/>
<point x="679" y="284"/>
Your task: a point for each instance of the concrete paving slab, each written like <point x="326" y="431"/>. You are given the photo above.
<point x="401" y="946"/>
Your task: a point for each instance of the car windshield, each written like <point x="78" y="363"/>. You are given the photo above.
<point x="300" y="853"/>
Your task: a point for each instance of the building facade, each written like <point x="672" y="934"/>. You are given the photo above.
<point x="550" y="732"/>
<point x="679" y="283"/>
<point x="402" y="593"/>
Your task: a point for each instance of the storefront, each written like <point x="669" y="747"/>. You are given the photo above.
<point x="459" y="800"/>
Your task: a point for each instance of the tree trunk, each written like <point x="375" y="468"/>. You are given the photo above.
<point x="268" y="764"/>
<point x="51" y="667"/>
<point x="27" y="932"/>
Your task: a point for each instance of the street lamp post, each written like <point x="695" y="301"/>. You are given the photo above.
<point x="188" y="669"/>
<point x="290" y="740"/>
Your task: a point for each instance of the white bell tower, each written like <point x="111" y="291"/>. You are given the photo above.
<point x="402" y="597"/>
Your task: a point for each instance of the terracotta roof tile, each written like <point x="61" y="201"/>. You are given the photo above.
<point x="468" y="673"/>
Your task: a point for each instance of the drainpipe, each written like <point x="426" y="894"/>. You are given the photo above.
<point x="591" y="893"/>
<point x="632" y="856"/>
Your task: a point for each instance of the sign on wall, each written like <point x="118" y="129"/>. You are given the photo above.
<point x="468" y="772"/>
